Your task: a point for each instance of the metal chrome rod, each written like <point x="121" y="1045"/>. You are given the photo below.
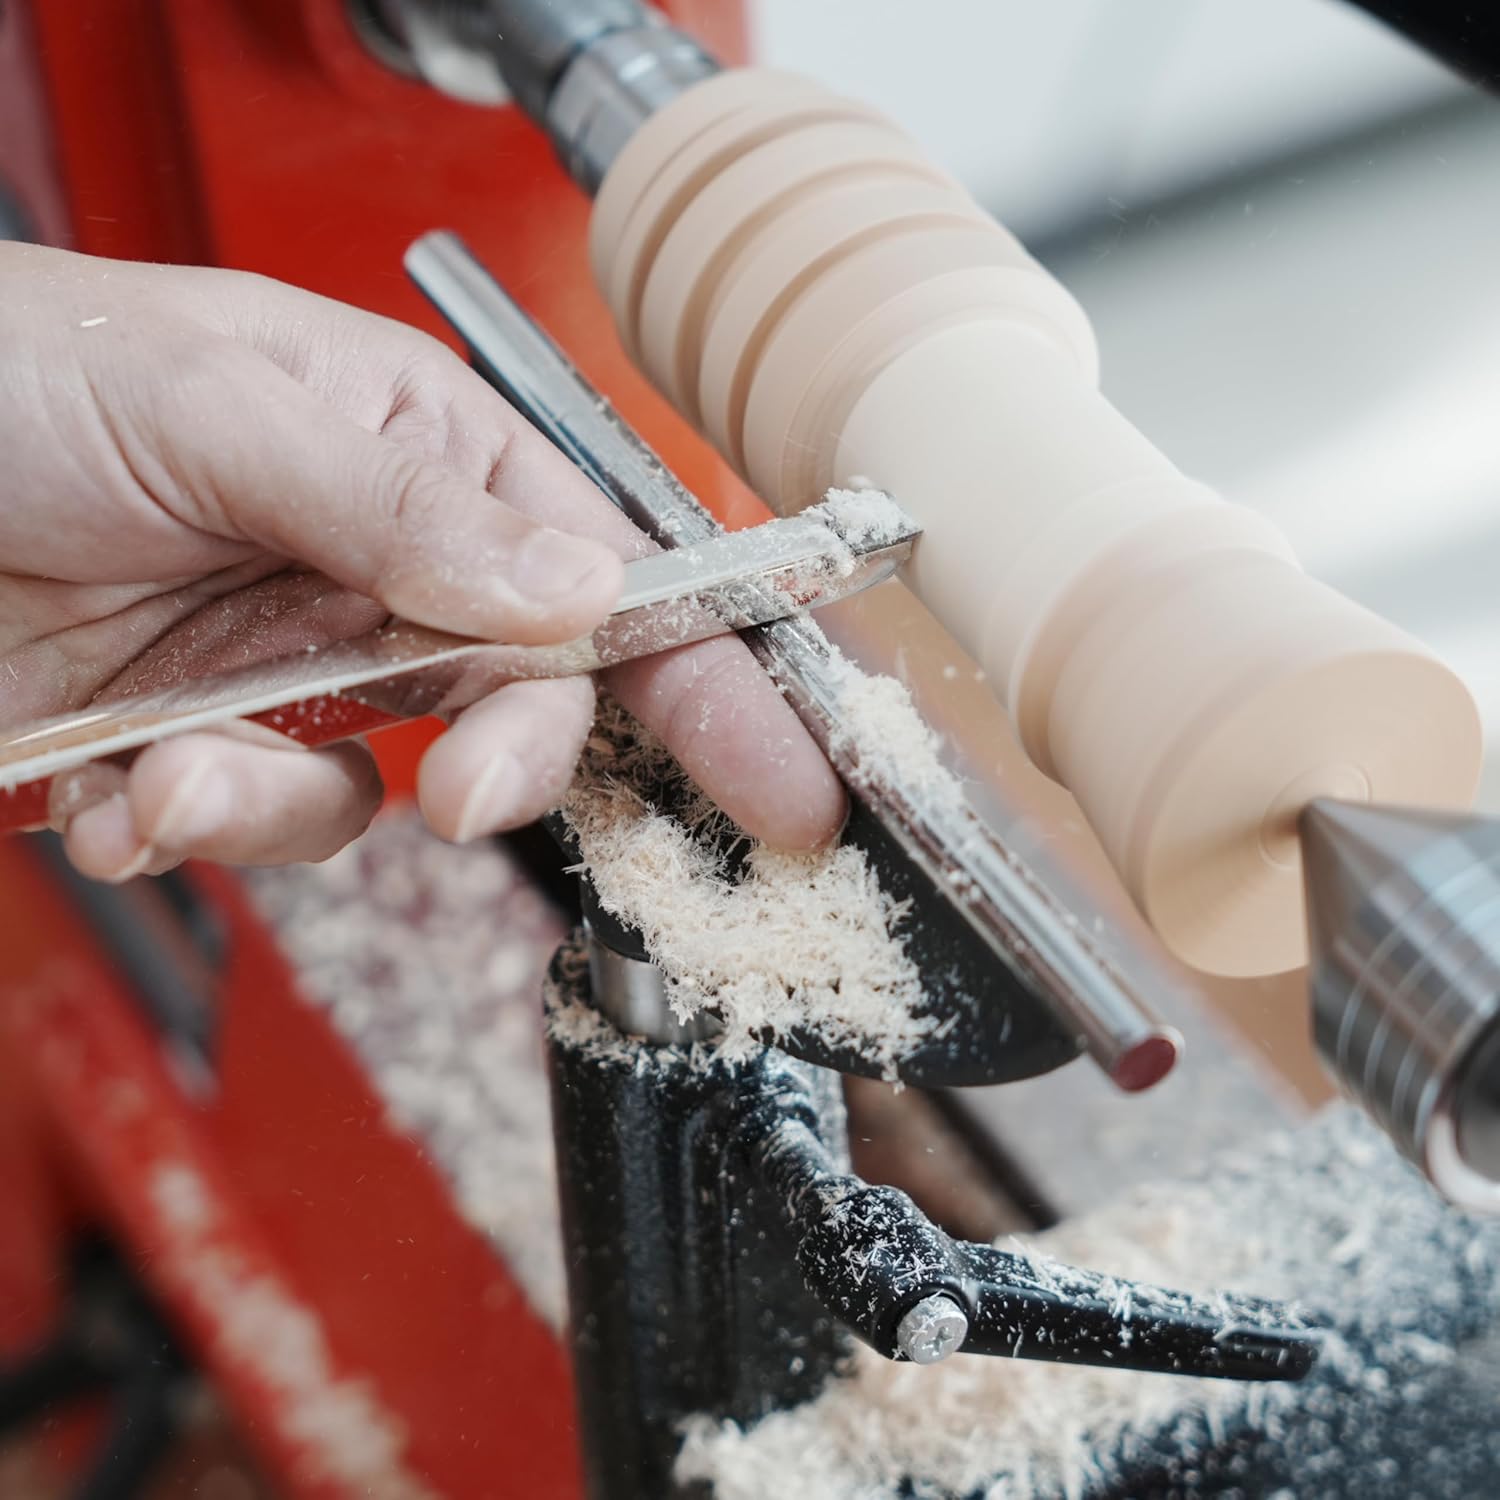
<point x="610" y="89"/>
<point x="589" y="72"/>
<point x="1023" y="924"/>
<point x="540" y="381"/>
<point x="632" y="993"/>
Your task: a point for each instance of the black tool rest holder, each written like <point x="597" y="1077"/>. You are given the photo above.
<point x="720" y="1255"/>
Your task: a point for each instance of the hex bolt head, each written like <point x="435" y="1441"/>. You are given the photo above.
<point x="932" y="1330"/>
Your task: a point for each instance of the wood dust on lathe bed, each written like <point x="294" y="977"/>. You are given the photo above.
<point x="1328" y="1219"/>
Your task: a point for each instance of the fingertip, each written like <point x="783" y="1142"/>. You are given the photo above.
<point x="811" y="814"/>
<point x="495" y="801"/>
<point x="506" y="760"/>
<point x="552" y="568"/>
<point x="181" y="792"/>
<point x="738" y="738"/>
<point x="238" y="801"/>
<point x="788" y="797"/>
<point x="73" y="792"/>
<point x="103" y="843"/>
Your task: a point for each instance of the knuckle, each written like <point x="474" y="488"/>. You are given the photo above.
<point x="437" y="406"/>
<point x="413" y="497"/>
<point x="421" y="401"/>
<point x="412" y="510"/>
<point x="430" y="360"/>
<point x="424" y="379"/>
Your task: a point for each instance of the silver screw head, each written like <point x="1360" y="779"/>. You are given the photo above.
<point x="932" y="1330"/>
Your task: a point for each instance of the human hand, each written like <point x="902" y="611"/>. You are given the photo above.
<point x="206" y="468"/>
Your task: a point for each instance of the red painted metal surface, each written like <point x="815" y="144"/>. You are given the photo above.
<point x="368" y="1340"/>
<point x="323" y="720"/>
<point x="258" y="134"/>
<point x="35" y="1215"/>
<point x="25" y="806"/>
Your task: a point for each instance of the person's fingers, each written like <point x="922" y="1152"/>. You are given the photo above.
<point x="506" y="760"/>
<point x="714" y="707"/>
<point x="73" y="793"/>
<point x="91" y="808"/>
<point x="102" y="842"/>
<point x="712" y="704"/>
<point x="294" y="476"/>
<point x="210" y="796"/>
<point x="736" y="736"/>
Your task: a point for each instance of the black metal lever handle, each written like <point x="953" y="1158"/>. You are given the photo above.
<point x="872" y="1257"/>
<point x="1026" y="1308"/>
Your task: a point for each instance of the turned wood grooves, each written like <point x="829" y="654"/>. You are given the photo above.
<point x="823" y="302"/>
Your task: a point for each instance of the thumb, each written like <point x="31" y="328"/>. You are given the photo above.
<point x="298" y="478"/>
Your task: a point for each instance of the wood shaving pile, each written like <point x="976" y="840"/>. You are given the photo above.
<point x="429" y="958"/>
<point x="885" y="737"/>
<point x="775" y="942"/>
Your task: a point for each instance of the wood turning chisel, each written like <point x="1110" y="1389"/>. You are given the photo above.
<point x="402" y="671"/>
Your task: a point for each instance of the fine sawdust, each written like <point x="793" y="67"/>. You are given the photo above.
<point x="884" y="739"/>
<point x="864" y="517"/>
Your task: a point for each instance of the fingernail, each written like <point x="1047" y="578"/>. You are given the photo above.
<point x="550" y="564"/>
<point x="492" y="799"/>
<point x="200" y="805"/>
<point x="105" y="835"/>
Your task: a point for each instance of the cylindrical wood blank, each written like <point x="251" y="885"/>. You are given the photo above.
<point x="825" y="304"/>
